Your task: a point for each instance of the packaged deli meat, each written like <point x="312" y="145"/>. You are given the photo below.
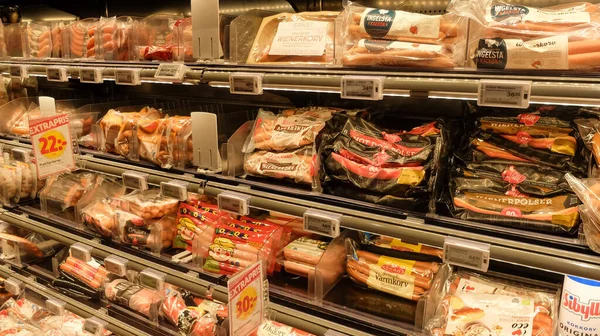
<point x="507" y="36"/>
<point x="65" y="190"/>
<point x="60" y="38"/>
<point x="269" y="328"/>
<point x="192" y="221"/>
<point x="194" y="320"/>
<point x="381" y="37"/>
<point x="136" y="297"/>
<point x="297" y="165"/>
<point x="303" y="254"/>
<point x="38" y="41"/>
<point x="155" y="40"/>
<point x="474" y="304"/>
<point x="114" y="39"/>
<point x="295" y="38"/>
<point x="82" y="38"/>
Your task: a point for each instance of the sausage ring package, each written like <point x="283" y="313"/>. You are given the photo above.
<point x="295" y="38"/>
<point x="474" y="304"/>
<point x="381" y="37"/>
<point x="588" y="190"/>
<point x="507" y="36"/>
<point x="136" y="297"/>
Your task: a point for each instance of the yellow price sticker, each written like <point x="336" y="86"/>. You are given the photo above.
<point x="52" y="144"/>
<point x="245" y="306"/>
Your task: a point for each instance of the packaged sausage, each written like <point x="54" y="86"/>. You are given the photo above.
<point x="269" y="328"/>
<point x="152" y="141"/>
<point x="155" y="40"/>
<point x="59" y="37"/>
<point x="382" y="37"/>
<point x="474" y="304"/>
<point x="183" y="49"/>
<point x="192" y="221"/>
<point x="397" y="244"/>
<point x="297" y="165"/>
<point x="295" y="38"/>
<point x="302" y="255"/>
<point x="10" y="184"/>
<point x="153" y="234"/>
<point x="149" y="204"/>
<point x="114" y="39"/>
<point x="179" y="141"/>
<point x="190" y="320"/>
<point x="136" y="297"/>
<point x="38" y="41"/>
<point x="91" y="273"/>
<point x="64" y="191"/>
<point x="13" y="36"/>
<point x="117" y="130"/>
<point x="507" y="36"/>
<point x="82" y="39"/>
<point x="588" y="190"/>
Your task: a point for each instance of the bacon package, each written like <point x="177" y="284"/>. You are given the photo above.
<point x="295" y="38"/>
<point x="473" y="304"/>
<point x="382" y="37"/>
<point x="507" y="36"/>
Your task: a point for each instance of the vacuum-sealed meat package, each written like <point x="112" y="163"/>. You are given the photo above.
<point x="153" y="234"/>
<point x="192" y="221"/>
<point x="298" y="165"/>
<point x="114" y="39"/>
<point x="149" y="204"/>
<point x="268" y="328"/>
<point x="511" y="36"/>
<point x="64" y="191"/>
<point x="588" y="191"/>
<point x="82" y="38"/>
<point x="381" y="37"/>
<point x="155" y="40"/>
<point x="59" y="37"/>
<point x="136" y="297"/>
<point x="302" y="255"/>
<point x="39" y="41"/>
<point x="192" y="321"/>
<point x="118" y="130"/>
<point x="295" y="38"/>
<point x="179" y="141"/>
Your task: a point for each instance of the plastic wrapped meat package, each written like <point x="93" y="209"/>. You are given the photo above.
<point x="302" y="255"/>
<point x="268" y="328"/>
<point x="38" y="41"/>
<point x="182" y="35"/>
<point x="14" y="120"/>
<point x="506" y="36"/>
<point x="588" y="190"/>
<point x="298" y="38"/>
<point x="511" y="170"/>
<point x="59" y="35"/>
<point x="90" y="273"/>
<point x="96" y="208"/>
<point x="14" y="39"/>
<point x="65" y="190"/>
<point x="179" y="141"/>
<point x="155" y="37"/>
<point x="166" y="142"/>
<point x="192" y="222"/>
<point x="474" y="304"/>
<point x="19" y="124"/>
<point x="2" y="42"/>
<point x="194" y="316"/>
<point x="82" y="39"/>
<point x="136" y="297"/>
<point x="379" y="37"/>
<point x="114" y="39"/>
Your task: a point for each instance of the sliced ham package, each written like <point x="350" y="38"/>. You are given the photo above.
<point x="382" y="37"/>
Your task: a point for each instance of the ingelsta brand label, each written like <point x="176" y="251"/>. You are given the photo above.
<point x="379" y="23"/>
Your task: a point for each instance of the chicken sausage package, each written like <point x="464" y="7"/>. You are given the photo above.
<point x="38" y="43"/>
<point x="382" y="37"/>
<point x="588" y="190"/>
<point x="507" y="36"/>
<point x="295" y="38"/>
<point x="473" y="304"/>
<point x="155" y="40"/>
<point x="194" y="316"/>
<point x="82" y="42"/>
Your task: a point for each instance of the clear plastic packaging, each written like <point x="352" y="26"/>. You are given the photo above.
<point x="59" y="35"/>
<point x="82" y="38"/>
<point x="155" y="37"/>
<point x="150" y="204"/>
<point x="105" y="38"/>
<point x="2" y="42"/>
<point x="90" y="273"/>
<point x="38" y="41"/>
<point x="14" y="116"/>
<point x="179" y="141"/>
<point x="280" y="329"/>
<point x="30" y="185"/>
<point x="588" y="190"/>
<point x="152" y="234"/>
<point x="506" y="36"/>
<point x="381" y="37"/>
<point x="10" y="184"/>
<point x="153" y="142"/>
<point x="182" y="36"/>
<point x="65" y="190"/>
<point x="298" y="165"/>
<point x="282" y="40"/>
<point x="14" y="36"/>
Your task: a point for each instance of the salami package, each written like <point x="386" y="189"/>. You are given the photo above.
<point x="477" y="304"/>
<point x="382" y="37"/>
<point x="507" y="36"/>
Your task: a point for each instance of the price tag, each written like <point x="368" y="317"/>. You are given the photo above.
<point x="152" y="279"/>
<point x="467" y="253"/>
<point x="55" y="306"/>
<point x="18" y="71"/>
<point x="52" y="144"/>
<point x="21" y="154"/>
<point x="246" y="306"/>
<point x="135" y="180"/>
<point x="234" y="202"/>
<point x="246" y="83"/>
<point x="175" y="189"/>
<point x="362" y="87"/>
<point x="116" y="265"/>
<point x="90" y="75"/>
<point x="127" y="76"/>
<point x="13" y="286"/>
<point x="171" y="71"/>
<point x="81" y="252"/>
<point x="500" y="93"/>
<point x="322" y="222"/>
<point x="94" y="325"/>
<point x="57" y="74"/>
<point x="331" y="332"/>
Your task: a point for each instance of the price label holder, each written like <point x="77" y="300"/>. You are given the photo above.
<point x="95" y="326"/>
<point x="322" y="222"/>
<point x="57" y="74"/>
<point x="21" y="154"/>
<point x="234" y="202"/>
<point x="127" y="76"/>
<point x="246" y="304"/>
<point x="153" y="279"/>
<point x="116" y="265"/>
<point x="174" y="72"/>
<point x="504" y="93"/>
<point x="135" y="180"/>
<point x="175" y="189"/>
<point x="246" y="83"/>
<point x="362" y="87"/>
<point x="467" y="253"/>
<point x="55" y="306"/>
<point x="331" y="332"/>
<point x="81" y="252"/>
<point x="13" y="286"/>
<point x="19" y="71"/>
<point x="91" y="75"/>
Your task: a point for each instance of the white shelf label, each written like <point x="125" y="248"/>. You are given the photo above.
<point x="175" y="189"/>
<point x="55" y="306"/>
<point x="171" y="71"/>
<point x="152" y="279"/>
<point x="135" y="180"/>
<point x="21" y="154"/>
<point x="467" y="253"/>
<point x="116" y="265"/>
<point x="18" y="71"/>
<point x="246" y="83"/>
<point x="94" y="325"/>
<point x="81" y="252"/>
<point x="500" y="93"/>
<point x="234" y="202"/>
<point x="57" y="74"/>
<point x="322" y="222"/>
<point x="90" y="75"/>
<point x="127" y="76"/>
<point x="13" y="286"/>
<point x="362" y="87"/>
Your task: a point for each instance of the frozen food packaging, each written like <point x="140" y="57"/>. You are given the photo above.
<point x="38" y="41"/>
<point x="82" y="39"/>
<point x="295" y="38"/>
<point x="381" y="37"/>
<point x="511" y="36"/>
<point x="474" y="304"/>
<point x="155" y="37"/>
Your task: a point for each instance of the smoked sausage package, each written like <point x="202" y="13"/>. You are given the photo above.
<point x="588" y="191"/>
<point x="38" y="43"/>
<point x="382" y="37"/>
<point x="80" y="274"/>
<point x="507" y="36"/>
<point x="473" y="304"/>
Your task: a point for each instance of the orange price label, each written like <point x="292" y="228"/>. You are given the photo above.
<point x="246" y="304"/>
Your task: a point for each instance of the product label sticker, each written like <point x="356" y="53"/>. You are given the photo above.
<point x="393" y="284"/>
<point x="380" y="23"/>
<point x="52" y="144"/>
<point x="246" y="304"/>
<point x="302" y="38"/>
<point x="549" y="53"/>
<point x="272" y="328"/>
<point x="516" y="13"/>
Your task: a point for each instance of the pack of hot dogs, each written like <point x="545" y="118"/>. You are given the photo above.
<point x="511" y="171"/>
<point x="383" y="37"/>
<point x="80" y="274"/>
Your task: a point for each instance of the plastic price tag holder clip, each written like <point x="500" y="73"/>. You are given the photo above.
<point x="95" y="326"/>
<point x="234" y="202"/>
<point x="246" y="83"/>
<point x="55" y="306"/>
<point x="135" y="180"/>
<point x="91" y="75"/>
<point x="153" y="279"/>
<point x="174" y="72"/>
<point x="57" y="74"/>
<point x="322" y="222"/>
<point x="175" y="189"/>
<point x="504" y="93"/>
<point x="116" y="265"/>
<point x="21" y="154"/>
<point x="19" y="71"/>
<point x="125" y="76"/>
<point x="81" y="251"/>
<point x="467" y="253"/>
<point x="14" y="286"/>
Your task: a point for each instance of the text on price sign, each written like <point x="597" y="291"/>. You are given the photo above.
<point x="52" y="144"/>
<point x="246" y="304"/>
